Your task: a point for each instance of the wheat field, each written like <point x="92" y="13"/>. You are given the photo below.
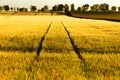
<point x="59" y="40"/>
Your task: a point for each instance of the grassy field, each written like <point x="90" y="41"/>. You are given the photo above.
<point x="60" y="36"/>
<point x="94" y="35"/>
<point x="19" y="34"/>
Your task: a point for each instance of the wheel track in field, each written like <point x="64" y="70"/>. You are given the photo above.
<point x="76" y="49"/>
<point x="42" y="39"/>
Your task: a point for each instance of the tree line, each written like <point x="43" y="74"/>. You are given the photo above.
<point x="33" y="8"/>
<point x="98" y="8"/>
<point x="65" y="8"/>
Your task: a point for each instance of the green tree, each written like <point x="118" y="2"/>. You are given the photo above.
<point x="23" y="9"/>
<point x="60" y="7"/>
<point x="66" y="8"/>
<point x="55" y="8"/>
<point x="95" y="7"/>
<point x="104" y="7"/>
<point x="42" y="9"/>
<point x="1" y="8"/>
<point x="72" y="7"/>
<point x="118" y="9"/>
<point x="39" y="10"/>
<point x="11" y="8"/>
<point x="46" y="8"/>
<point x="33" y="8"/>
<point x="113" y="8"/>
<point x="85" y="7"/>
<point x="6" y="7"/>
<point x="79" y="9"/>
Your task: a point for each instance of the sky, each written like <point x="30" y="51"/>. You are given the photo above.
<point x="50" y="3"/>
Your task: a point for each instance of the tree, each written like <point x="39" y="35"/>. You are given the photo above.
<point x="118" y="9"/>
<point x="17" y="9"/>
<point x="38" y="10"/>
<point x="72" y="7"/>
<point x="79" y="9"/>
<point x="55" y="8"/>
<point x="33" y="8"/>
<point x="11" y="8"/>
<point x="60" y="7"/>
<point x="23" y="9"/>
<point x="46" y="8"/>
<point x="104" y="7"/>
<point x="6" y="7"/>
<point x="66" y="8"/>
<point x="1" y="8"/>
<point x="42" y="9"/>
<point x="85" y="7"/>
<point x="113" y="8"/>
<point x="95" y="7"/>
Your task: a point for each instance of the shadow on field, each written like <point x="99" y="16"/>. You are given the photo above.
<point x="42" y="39"/>
<point x="76" y="49"/>
<point x="112" y="20"/>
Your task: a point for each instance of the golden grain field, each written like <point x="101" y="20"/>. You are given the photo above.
<point x="58" y="39"/>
